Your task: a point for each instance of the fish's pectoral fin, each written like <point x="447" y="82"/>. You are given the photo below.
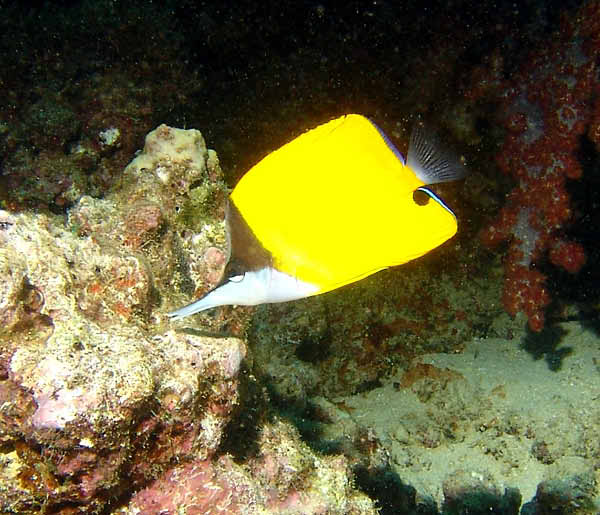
<point x="430" y="160"/>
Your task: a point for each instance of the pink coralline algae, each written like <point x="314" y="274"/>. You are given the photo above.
<point x="547" y="108"/>
<point x="286" y="477"/>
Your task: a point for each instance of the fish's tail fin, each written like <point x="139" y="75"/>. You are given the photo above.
<point x="430" y="160"/>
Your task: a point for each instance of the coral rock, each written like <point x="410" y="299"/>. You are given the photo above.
<point x="94" y="390"/>
<point x="99" y="398"/>
<point x="286" y="478"/>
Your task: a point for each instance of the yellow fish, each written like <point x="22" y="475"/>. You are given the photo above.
<point x="334" y="205"/>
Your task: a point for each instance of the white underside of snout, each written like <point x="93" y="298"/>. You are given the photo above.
<point x="263" y="286"/>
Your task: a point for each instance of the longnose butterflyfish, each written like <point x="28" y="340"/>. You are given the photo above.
<point x="334" y="205"/>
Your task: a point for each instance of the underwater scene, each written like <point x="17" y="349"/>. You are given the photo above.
<point x="299" y="257"/>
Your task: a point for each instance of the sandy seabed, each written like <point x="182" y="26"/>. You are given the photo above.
<point x="496" y="414"/>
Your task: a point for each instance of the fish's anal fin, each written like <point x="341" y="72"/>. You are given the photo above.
<point x="426" y="192"/>
<point x="430" y="160"/>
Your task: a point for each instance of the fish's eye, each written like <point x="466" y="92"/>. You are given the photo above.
<point x="420" y="197"/>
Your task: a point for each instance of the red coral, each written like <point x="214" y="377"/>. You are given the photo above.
<point x="568" y="255"/>
<point x="525" y="291"/>
<point x="593" y="132"/>
<point x="547" y="108"/>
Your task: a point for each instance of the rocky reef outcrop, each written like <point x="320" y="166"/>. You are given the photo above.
<point x="104" y="405"/>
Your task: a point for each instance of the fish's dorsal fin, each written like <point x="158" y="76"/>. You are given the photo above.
<point x="429" y="160"/>
<point x="389" y="143"/>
